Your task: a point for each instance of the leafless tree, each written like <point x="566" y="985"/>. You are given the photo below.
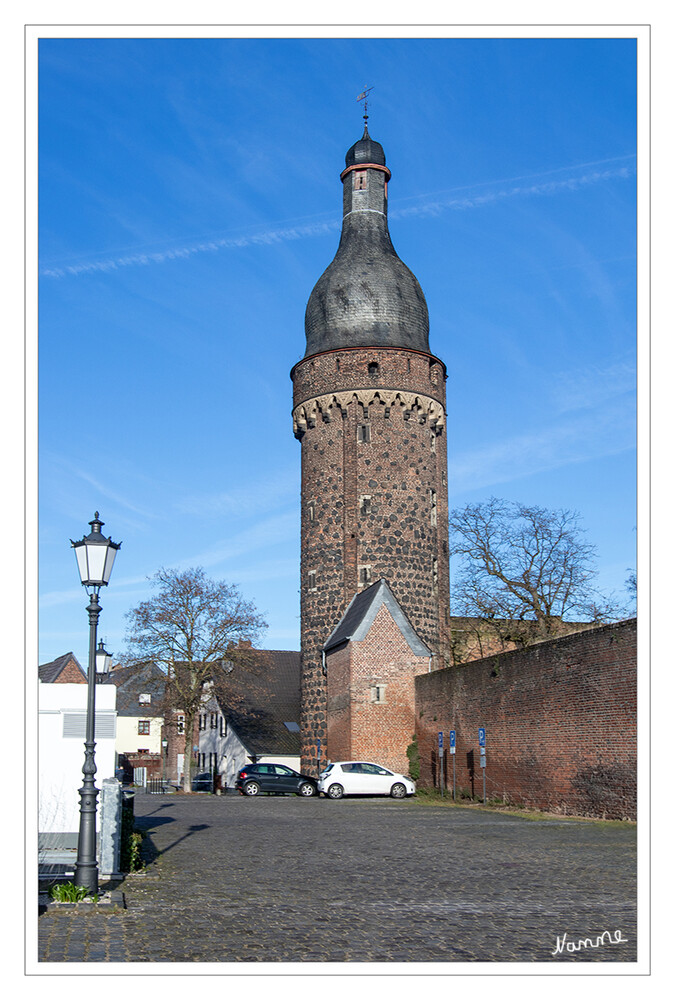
<point x="525" y="569"/>
<point x="198" y="630"/>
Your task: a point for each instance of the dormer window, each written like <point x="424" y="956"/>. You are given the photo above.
<point x="144" y="699"/>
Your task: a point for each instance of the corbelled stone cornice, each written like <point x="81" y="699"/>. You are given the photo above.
<point x="422" y="408"/>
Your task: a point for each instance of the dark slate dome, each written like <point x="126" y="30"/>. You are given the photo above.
<point x="366" y="150"/>
<point x="366" y="297"/>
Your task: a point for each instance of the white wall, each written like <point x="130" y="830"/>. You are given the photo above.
<point x="61" y="757"/>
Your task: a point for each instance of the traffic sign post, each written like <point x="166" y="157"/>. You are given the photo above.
<point x="481" y="744"/>
<point x="452" y="751"/>
<point x="440" y="760"/>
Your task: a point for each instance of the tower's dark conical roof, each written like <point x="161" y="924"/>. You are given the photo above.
<point x="366" y="297"/>
<point x="366" y="150"/>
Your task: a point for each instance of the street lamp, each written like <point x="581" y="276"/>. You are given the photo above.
<point x="95" y="557"/>
<point x="103" y="661"/>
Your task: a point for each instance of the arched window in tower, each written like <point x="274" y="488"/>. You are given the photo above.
<point x="373" y="369"/>
<point x="364" y="575"/>
<point x="432" y="435"/>
<point x="365" y="506"/>
<point x="363" y="432"/>
<point x="360" y="180"/>
<point x="434" y="575"/>
<point x="433" y="372"/>
<point x="311" y="580"/>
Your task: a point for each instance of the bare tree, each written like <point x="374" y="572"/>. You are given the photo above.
<point x="197" y="630"/>
<point x="525" y="569"/>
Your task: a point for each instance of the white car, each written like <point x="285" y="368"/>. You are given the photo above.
<point x="360" y="777"/>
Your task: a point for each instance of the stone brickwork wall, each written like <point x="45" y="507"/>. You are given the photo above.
<point x="382" y="665"/>
<point x="374" y="499"/>
<point x="560" y="719"/>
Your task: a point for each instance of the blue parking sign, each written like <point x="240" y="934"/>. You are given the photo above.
<point x="481" y="737"/>
<point x="452" y="737"/>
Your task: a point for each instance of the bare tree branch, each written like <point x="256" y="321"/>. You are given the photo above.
<point x="192" y="629"/>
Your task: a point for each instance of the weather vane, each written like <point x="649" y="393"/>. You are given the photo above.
<point x="364" y="97"/>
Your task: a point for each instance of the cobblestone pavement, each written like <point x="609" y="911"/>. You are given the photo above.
<point x="284" y="879"/>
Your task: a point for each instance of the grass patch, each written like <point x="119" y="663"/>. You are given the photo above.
<point x="433" y="797"/>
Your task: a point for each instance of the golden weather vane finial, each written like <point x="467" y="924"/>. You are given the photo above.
<point x="364" y="97"/>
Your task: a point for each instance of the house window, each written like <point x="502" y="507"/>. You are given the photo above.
<point x="311" y="580"/>
<point x="363" y="432"/>
<point x="214" y="721"/>
<point x="365" y="505"/>
<point x="180" y="723"/>
<point x="377" y="693"/>
<point x="223" y="726"/>
<point x="144" y="727"/>
<point x="364" y="574"/>
<point x="434" y="508"/>
<point x="360" y="180"/>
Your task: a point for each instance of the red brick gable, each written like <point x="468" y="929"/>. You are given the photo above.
<point x="371" y="695"/>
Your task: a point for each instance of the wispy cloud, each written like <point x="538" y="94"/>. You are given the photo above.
<point x="592" y="435"/>
<point x="593" y="386"/>
<point x="266" y="493"/>
<point x="430" y="204"/>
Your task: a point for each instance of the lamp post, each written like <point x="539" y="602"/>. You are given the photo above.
<point x="95" y="557"/>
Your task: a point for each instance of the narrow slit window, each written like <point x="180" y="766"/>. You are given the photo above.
<point x="311" y="580"/>
<point x="434" y="508"/>
<point x="363" y="433"/>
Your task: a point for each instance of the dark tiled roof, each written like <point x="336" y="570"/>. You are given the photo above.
<point x="133" y="681"/>
<point x="270" y="697"/>
<point x="360" y="615"/>
<point x="49" y="672"/>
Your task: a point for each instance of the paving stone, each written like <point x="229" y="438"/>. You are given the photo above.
<point x="282" y="879"/>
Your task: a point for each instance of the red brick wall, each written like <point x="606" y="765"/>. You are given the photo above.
<point x="560" y="719"/>
<point x="71" y="674"/>
<point x="358" y="727"/>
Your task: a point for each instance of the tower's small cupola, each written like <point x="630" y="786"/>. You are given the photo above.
<point x="366" y="150"/>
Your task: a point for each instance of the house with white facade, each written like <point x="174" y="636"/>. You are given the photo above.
<point x="140" y="719"/>
<point x="61" y="733"/>
<point x="262" y="723"/>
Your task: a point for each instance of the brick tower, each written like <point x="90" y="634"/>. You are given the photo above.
<point x="369" y="410"/>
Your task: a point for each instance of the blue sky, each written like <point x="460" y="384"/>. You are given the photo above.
<point x="189" y="200"/>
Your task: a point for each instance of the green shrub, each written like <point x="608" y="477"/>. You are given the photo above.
<point x="413" y="755"/>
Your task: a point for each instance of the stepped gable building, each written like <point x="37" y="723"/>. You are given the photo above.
<point x="369" y="411"/>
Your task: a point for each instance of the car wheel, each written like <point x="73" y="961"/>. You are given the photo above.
<point x="335" y="792"/>
<point x="307" y="789"/>
<point x="252" y="788"/>
<point x="398" y="791"/>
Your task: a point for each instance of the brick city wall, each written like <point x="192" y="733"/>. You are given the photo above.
<point x="360" y="728"/>
<point x="560" y="719"/>
<point x="367" y="504"/>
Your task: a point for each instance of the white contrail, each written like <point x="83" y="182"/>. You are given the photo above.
<point x="432" y="205"/>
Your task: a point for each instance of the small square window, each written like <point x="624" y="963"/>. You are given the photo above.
<point x="144" y="727"/>
<point x="365" y="505"/>
<point x="377" y="693"/>
<point x="363" y="432"/>
<point x="364" y="574"/>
